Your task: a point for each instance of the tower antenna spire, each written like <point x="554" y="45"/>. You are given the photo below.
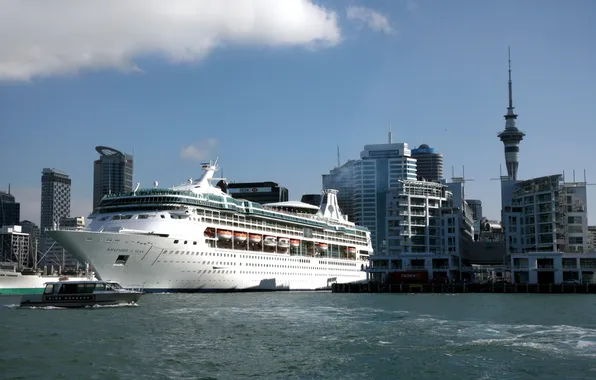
<point x="510" y="82"/>
<point x="511" y="136"/>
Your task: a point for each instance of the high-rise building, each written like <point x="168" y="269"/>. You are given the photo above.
<point x="381" y="167"/>
<point x="476" y="205"/>
<point x="55" y="197"/>
<point x="341" y="179"/>
<point x="511" y="136"/>
<point x="55" y="205"/>
<point x="32" y="230"/>
<point x="112" y="173"/>
<point x="10" y="210"/>
<point x="546" y="214"/>
<point x="429" y="163"/>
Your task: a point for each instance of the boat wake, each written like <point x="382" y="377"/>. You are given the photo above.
<point x="17" y="306"/>
<point x="556" y="339"/>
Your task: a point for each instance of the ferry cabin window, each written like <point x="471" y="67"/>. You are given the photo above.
<point x="49" y="289"/>
<point x="113" y="286"/>
<point x="76" y="288"/>
<point x="100" y="287"/>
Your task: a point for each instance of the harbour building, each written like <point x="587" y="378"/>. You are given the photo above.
<point x="592" y="238"/>
<point x="112" y="173"/>
<point x="55" y="205"/>
<point x="259" y="192"/>
<point x="341" y="178"/>
<point x="429" y="232"/>
<point x="32" y="230"/>
<point x="546" y="227"/>
<point x="381" y="167"/>
<point x="429" y="163"/>
<point x="14" y="246"/>
<point x="546" y="214"/>
<point x="10" y="210"/>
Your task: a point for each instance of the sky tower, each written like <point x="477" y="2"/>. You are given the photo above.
<point x="511" y="136"/>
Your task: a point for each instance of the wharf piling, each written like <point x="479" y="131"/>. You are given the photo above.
<point x="376" y="287"/>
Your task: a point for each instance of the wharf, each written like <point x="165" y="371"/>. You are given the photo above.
<point x="375" y="287"/>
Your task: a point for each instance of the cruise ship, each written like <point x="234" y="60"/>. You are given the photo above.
<point x="195" y="237"/>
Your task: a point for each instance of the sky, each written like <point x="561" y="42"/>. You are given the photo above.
<point x="273" y="87"/>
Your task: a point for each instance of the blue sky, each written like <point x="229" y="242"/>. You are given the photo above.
<point x="273" y="100"/>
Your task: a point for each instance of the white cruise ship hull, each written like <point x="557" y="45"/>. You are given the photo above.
<point x="157" y="264"/>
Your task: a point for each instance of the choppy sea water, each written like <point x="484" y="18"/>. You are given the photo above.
<point x="307" y="336"/>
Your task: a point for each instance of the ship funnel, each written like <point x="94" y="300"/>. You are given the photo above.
<point x="329" y="206"/>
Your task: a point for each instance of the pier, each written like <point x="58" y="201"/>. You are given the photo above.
<point x="375" y="287"/>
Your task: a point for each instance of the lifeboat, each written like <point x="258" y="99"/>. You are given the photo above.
<point x="224" y="234"/>
<point x="351" y="250"/>
<point x="283" y="243"/>
<point x="295" y="242"/>
<point x="270" y="241"/>
<point x="240" y="236"/>
<point x="209" y="232"/>
<point x="255" y="238"/>
<point x="322" y="247"/>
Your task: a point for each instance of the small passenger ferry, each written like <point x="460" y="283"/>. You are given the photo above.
<point x="73" y="294"/>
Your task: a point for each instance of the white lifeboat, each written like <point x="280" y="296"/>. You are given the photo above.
<point x="255" y="238"/>
<point x="351" y="250"/>
<point x="283" y="243"/>
<point x="224" y="234"/>
<point x="240" y="236"/>
<point x="295" y="242"/>
<point x="270" y="241"/>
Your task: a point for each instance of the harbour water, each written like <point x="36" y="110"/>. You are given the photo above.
<point x="307" y="336"/>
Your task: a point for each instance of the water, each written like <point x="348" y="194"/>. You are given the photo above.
<point x="307" y="336"/>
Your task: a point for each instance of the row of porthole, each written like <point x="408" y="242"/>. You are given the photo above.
<point x="253" y="264"/>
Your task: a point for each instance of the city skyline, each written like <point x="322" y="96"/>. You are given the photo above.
<point x="277" y="110"/>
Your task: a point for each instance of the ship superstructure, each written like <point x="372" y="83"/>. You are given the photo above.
<point x="195" y="237"/>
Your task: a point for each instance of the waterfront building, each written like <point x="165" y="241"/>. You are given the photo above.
<point x="592" y="238"/>
<point x="553" y="267"/>
<point x="476" y="206"/>
<point x="546" y="214"/>
<point x="488" y="247"/>
<point x="32" y="230"/>
<point x="112" y="173"/>
<point x="429" y="163"/>
<point x="55" y="205"/>
<point x="381" y="167"/>
<point x="10" y="210"/>
<point x="341" y="178"/>
<point x="14" y="246"/>
<point x="511" y="136"/>
<point x="429" y="232"/>
<point x="259" y="192"/>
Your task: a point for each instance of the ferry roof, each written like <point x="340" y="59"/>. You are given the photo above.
<point x="293" y="204"/>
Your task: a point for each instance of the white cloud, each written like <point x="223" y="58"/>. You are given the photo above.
<point x="41" y="38"/>
<point x="30" y="200"/>
<point x="371" y="18"/>
<point x="199" y="151"/>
